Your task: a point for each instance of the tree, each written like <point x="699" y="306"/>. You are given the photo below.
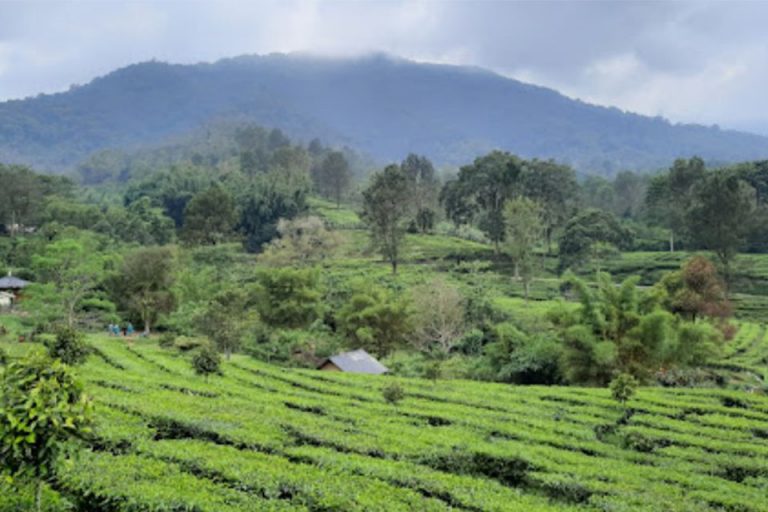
<point x="206" y="361"/>
<point x="225" y="320"/>
<point x="20" y="196"/>
<point x="375" y="319"/>
<point x="144" y="283"/>
<point x="332" y="177"/>
<point x="71" y="269"/>
<point x="68" y="345"/>
<point x="209" y="217"/>
<point x="171" y="189"/>
<point x="585" y="230"/>
<point x="630" y="190"/>
<point x="482" y="188"/>
<point x="453" y="199"/>
<point x="670" y="196"/>
<point x="42" y="407"/>
<point x="424" y="190"/>
<point x="288" y="297"/>
<point x="386" y="211"/>
<point x="302" y="241"/>
<point x="524" y="230"/>
<point x="720" y="217"/>
<point x="270" y="198"/>
<point x="555" y="189"/>
<point x="438" y="318"/>
<point x="696" y="290"/>
<point x="618" y="329"/>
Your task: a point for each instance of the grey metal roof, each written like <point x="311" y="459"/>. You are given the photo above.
<point x="12" y="283"/>
<point x="357" y="361"/>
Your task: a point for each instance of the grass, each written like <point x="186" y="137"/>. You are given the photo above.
<point x="338" y="217"/>
<point x="266" y="438"/>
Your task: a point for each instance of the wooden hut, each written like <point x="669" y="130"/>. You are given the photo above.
<point x="13" y="285"/>
<point x="357" y="361"/>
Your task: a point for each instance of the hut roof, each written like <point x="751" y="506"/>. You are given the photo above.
<point x="357" y="361"/>
<point x="12" y="283"/>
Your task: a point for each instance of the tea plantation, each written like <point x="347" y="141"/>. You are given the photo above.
<point x="258" y="437"/>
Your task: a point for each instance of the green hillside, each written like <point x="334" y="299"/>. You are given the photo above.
<point x="383" y="106"/>
<point x="260" y="437"/>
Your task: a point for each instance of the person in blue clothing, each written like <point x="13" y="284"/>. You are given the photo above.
<point x="129" y="329"/>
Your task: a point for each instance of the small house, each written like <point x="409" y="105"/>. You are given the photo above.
<point x="13" y="285"/>
<point x="357" y="361"/>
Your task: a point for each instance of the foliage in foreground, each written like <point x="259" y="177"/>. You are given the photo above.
<point x="42" y="408"/>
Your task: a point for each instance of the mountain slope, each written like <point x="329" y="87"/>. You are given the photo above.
<point x="384" y="106"/>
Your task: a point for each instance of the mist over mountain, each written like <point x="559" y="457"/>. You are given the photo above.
<point x="383" y="106"/>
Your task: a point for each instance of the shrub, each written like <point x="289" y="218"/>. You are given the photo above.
<point x="393" y="393"/>
<point x="3" y="357"/>
<point x="41" y="408"/>
<point x="433" y="370"/>
<point x="623" y="387"/>
<point x="206" y="361"/>
<point x="68" y="346"/>
<point x="167" y="339"/>
<point x="405" y="364"/>
<point x="186" y="343"/>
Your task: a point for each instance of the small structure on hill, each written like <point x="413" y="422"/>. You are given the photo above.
<point x="13" y="285"/>
<point x="6" y="300"/>
<point x="357" y="361"/>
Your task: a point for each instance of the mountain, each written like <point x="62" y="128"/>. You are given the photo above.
<point x="383" y="106"/>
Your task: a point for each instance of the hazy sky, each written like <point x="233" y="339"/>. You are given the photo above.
<point x="704" y="62"/>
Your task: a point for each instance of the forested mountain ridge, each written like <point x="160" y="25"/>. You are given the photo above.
<point x="384" y="106"/>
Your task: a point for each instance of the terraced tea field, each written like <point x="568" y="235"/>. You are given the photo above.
<point x="264" y="438"/>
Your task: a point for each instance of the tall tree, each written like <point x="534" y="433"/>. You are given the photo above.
<point x="438" y="319"/>
<point x="671" y="195"/>
<point x="225" y="320"/>
<point x="272" y="197"/>
<point x="144" y="283"/>
<point x="553" y="186"/>
<point x="71" y="268"/>
<point x="720" y="217"/>
<point x="630" y="190"/>
<point x="302" y="241"/>
<point x="375" y="318"/>
<point x="386" y="211"/>
<point x="525" y="229"/>
<point x="424" y="188"/>
<point x="209" y="217"/>
<point x="590" y="230"/>
<point x="484" y="186"/>
<point x="288" y="297"/>
<point x="332" y="176"/>
<point x="21" y="195"/>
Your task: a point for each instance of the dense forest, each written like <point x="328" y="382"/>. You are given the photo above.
<point x="383" y="106"/>
<point x="196" y="286"/>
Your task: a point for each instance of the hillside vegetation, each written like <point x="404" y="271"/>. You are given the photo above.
<point x="383" y="106"/>
<point x="551" y="343"/>
<point x="258" y="437"/>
